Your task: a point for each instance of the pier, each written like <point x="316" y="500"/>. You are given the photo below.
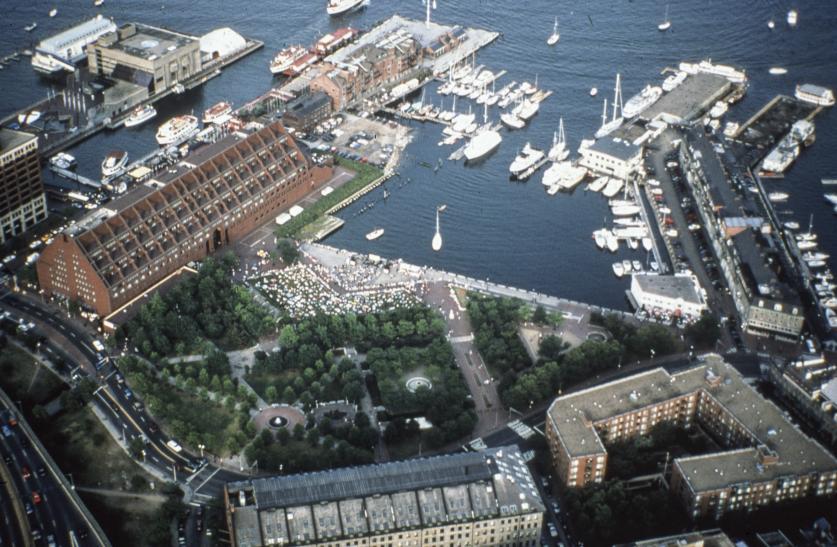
<point x="72" y="175"/>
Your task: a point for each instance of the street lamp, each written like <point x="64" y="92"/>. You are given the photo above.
<point x="201" y="447"/>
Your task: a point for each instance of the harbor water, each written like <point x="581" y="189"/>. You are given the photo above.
<point x="509" y="232"/>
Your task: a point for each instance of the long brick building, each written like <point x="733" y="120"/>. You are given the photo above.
<point x="456" y="500"/>
<point x="765" y="459"/>
<point x="213" y="197"/>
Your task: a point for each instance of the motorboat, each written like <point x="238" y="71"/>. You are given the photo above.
<point x="612" y="242"/>
<point x="627" y="266"/>
<point x="647" y="243"/>
<point x="625" y="210"/>
<point x="339" y="7"/>
<point x="811" y="256"/>
<point x="483" y="143"/>
<point x="613" y="187"/>
<point x="140" y="115"/>
<point x="793" y="17"/>
<point x="830" y="303"/>
<point x="791" y="225"/>
<point x="816" y="264"/>
<point x="177" y="130"/>
<point x="53" y="12"/>
<point x="598" y="184"/>
<point x="633" y="244"/>
<point x="637" y="265"/>
<point x="642" y="100"/>
<point x="217" y="113"/>
<point x="777" y="197"/>
<point x="771" y="24"/>
<point x="618" y="269"/>
<point x="114" y="162"/>
<point x="512" y="121"/>
<point x="28" y="118"/>
<point x="527" y="158"/>
<point x="831" y="317"/>
<point x="806" y="245"/>
<point x="777" y="70"/>
<point x="594" y="91"/>
<point x="555" y="36"/>
<point x="526" y="109"/>
<point x="600" y="239"/>
<point x="375" y="234"/>
<point x="63" y="160"/>
<point x="30" y="27"/>
<point x="832" y="198"/>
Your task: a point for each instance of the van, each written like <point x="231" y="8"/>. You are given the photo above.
<point x="174" y="446"/>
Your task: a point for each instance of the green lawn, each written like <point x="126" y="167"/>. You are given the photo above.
<point x="365" y="174"/>
<point x="24" y="379"/>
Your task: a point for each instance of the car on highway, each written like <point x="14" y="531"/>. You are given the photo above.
<point x="25" y="473"/>
<point x="7" y="432"/>
<point x="553" y="531"/>
<point x="36" y="497"/>
<point x="174" y="446"/>
<point x="28" y="508"/>
<point x="128" y="393"/>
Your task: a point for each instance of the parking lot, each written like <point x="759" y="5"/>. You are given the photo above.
<point x="366" y="139"/>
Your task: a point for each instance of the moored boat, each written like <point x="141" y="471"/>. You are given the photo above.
<point x="140" y="115"/>
<point x="284" y="59"/>
<point x="375" y="234"/>
<point x="339" y="7"/>
<point x="114" y="162"/>
<point x="177" y="130"/>
<point x="217" y="113"/>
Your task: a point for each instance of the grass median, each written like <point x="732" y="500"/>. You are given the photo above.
<point x="365" y="175"/>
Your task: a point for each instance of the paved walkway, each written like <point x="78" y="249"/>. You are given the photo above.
<point x="121" y="494"/>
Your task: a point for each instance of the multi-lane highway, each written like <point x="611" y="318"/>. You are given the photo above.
<point x="54" y="514"/>
<point x="112" y="399"/>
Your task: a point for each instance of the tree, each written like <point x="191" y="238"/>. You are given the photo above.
<point x="289" y="395"/>
<point x="288" y="252"/>
<point x="271" y="394"/>
<point x="704" y="332"/>
<point x="288" y="338"/>
<point x="539" y="316"/>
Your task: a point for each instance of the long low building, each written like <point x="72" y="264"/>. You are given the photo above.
<point x="214" y="197"/>
<point x="472" y="498"/>
<point x="766" y="459"/>
<point x="677" y="294"/>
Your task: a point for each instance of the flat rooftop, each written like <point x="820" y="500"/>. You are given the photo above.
<point x="10" y="138"/>
<point x="690" y="99"/>
<point x="150" y="42"/>
<point x="574" y="416"/>
<point x="365" y="500"/>
<point x="677" y="287"/>
<point x="616" y="147"/>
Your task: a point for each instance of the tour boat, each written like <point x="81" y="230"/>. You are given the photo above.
<point x="177" y="130"/>
<point x="114" y="162"/>
<point x="283" y="60"/>
<point x="140" y="115"/>
<point x="375" y="234"/>
<point x="217" y="113"/>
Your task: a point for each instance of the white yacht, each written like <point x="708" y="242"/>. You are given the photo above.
<point x="527" y="158"/>
<point x="483" y="143"/>
<point x="339" y="7"/>
<point x="555" y="36"/>
<point x="642" y="100"/>
<point x="114" y="162"/>
<point x="140" y="115"/>
<point x="177" y="130"/>
<point x="674" y="80"/>
<point x="608" y="127"/>
<point x="563" y="175"/>
<point x="559" y="151"/>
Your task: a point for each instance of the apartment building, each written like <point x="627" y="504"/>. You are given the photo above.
<point x="765" y="460"/>
<point x="22" y="198"/>
<point x="474" y="498"/>
<point x="212" y="198"/>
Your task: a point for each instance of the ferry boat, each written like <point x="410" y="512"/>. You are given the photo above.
<point x="140" y="115"/>
<point x="706" y="67"/>
<point x="339" y="7"/>
<point x="62" y="160"/>
<point x="528" y="157"/>
<point x="335" y="40"/>
<point x="177" y="130"/>
<point x="375" y="234"/>
<point x="114" y="162"/>
<point x="217" y="113"/>
<point x="815" y="94"/>
<point x="642" y="100"/>
<point x="299" y="66"/>
<point x="63" y="51"/>
<point x="283" y="60"/>
<point x="555" y="36"/>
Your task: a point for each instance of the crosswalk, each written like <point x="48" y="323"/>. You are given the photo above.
<point x="521" y="429"/>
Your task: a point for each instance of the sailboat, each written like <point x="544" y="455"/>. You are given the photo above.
<point x="436" y="244"/>
<point x="666" y="24"/>
<point x="555" y="36"/>
<point x="609" y="126"/>
<point x="559" y="151"/>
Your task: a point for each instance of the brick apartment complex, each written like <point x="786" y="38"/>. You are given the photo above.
<point x="766" y="458"/>
<point x="473" y="498"/>
<point x="22" y="199"/>
<point x="212" y="198"/>
<point x="370" y="67"/>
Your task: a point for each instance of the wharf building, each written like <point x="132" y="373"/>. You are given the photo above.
<point x="747" y="250"/>
<point x="678" y="294"/>
<point x="612" y="156"/>
<point x="809" y="385"/>
<point x="306" y="112"/>
<point x="472" y="498"/>
<point x="22" y="198"/>
<point x="215" y="196"/>
<point x="766" y="459"/>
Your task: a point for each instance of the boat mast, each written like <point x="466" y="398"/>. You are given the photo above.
<point x="604" y="112"/>
<point x="617" y="97"/>
<point x="561" y="137"/>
